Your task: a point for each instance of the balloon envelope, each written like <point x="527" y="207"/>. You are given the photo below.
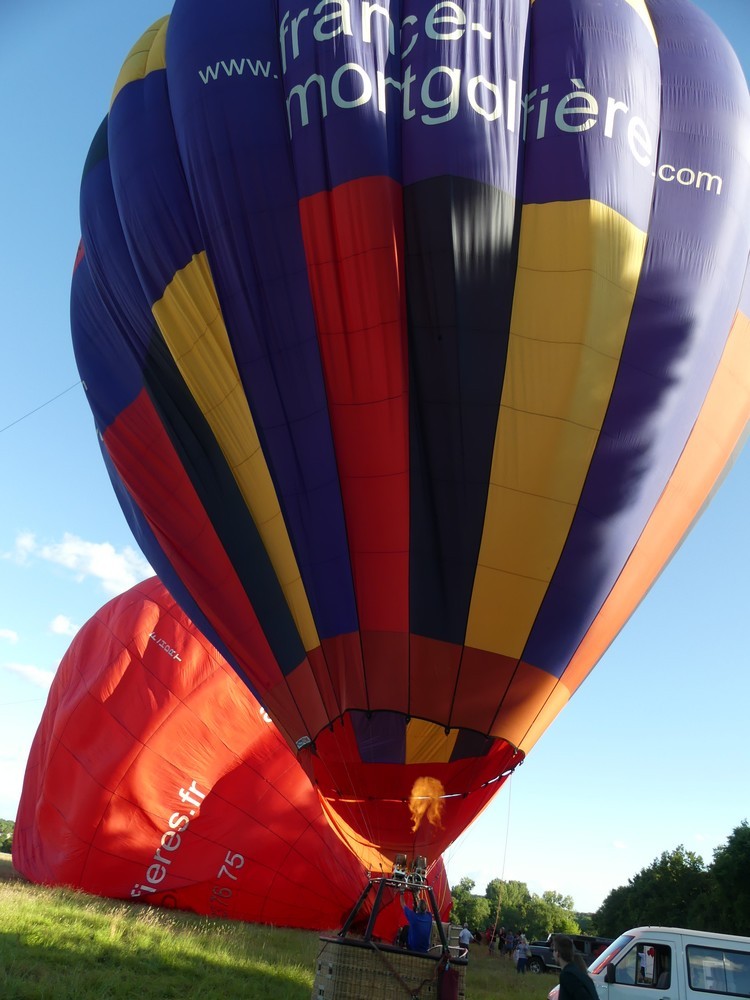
<point x="156" y="777"/>
<point x="415" y="345"/>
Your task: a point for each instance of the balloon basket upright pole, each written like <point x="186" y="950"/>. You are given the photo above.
<point x="357" y="967"/>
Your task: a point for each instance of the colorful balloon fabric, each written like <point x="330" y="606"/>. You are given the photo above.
<point x="156" y="777"/>
<point x="415" y="340"/>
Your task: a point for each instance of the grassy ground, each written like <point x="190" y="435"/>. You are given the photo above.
<point x="7" y="871"/>
<point x="61" y="945"/>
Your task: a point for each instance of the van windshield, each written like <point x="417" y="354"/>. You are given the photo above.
<point x="601" y="961"/>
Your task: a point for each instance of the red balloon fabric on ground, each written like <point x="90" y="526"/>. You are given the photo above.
<point x="155" y="776"/>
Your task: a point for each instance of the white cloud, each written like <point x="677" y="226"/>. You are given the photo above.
<point x="23" y="548"/>
<point x="41" y="678"/>
<point x="619" y="845"/>
<point x="8" y="634"/>
<point x="117" y="571"/>
<point x="62" y="625"/>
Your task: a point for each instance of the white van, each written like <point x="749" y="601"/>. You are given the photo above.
<point x="671" y="963"/>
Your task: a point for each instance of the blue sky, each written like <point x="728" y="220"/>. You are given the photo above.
<point x="652" y="752"/>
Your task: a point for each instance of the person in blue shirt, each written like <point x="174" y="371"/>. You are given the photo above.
<point x="420" y="925"/>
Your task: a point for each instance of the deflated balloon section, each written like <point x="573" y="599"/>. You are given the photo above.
<point x="156" y="778"/>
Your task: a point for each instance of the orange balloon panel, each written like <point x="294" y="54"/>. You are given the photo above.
<point x="156" y="777"/>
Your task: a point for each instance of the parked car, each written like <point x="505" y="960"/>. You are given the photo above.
<point x="543" y="960"/>
<point x="671" y="963"/>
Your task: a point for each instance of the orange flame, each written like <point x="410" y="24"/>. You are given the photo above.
<point x="425" y="801"/>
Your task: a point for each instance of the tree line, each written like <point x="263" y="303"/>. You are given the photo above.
<point x="679" y="890"/>
<point x="676" y="890"/>
<point x="519" y="910"/>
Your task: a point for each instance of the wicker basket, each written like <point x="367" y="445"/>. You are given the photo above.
<point x="349" y="969"/>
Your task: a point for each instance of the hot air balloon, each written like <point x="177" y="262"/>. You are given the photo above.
<point x="414" y="342"/>
<point x="156" y="778"/>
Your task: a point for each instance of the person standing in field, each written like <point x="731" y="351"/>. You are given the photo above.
<point x="521" y="954"/>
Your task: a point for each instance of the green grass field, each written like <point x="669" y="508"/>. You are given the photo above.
<point x="62" y="945"/>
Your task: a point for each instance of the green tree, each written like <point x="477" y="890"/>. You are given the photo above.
<point x="615" y="914"/>
<point x="6" y="835"/>
<point x="556" y="899"/>
<point x="668" y="892"/>
<point x="538" y="916"/>
<point x="478" y="914"/>
<point x="668" y="889"/>
<point x="461" y="894"/>
<point x="469" y="908"/>
<point x="545" y="917"/>
<point x="493" y="894"/>
<point x="729" y="899"/>
<point x="514" y="903"/>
